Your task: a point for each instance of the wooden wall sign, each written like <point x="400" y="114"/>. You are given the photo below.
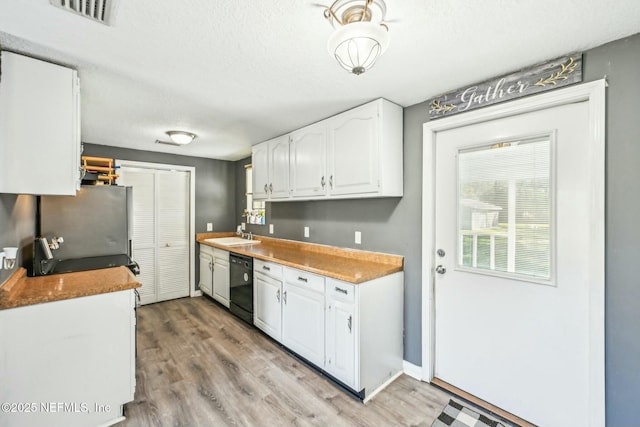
<point x="539" y="78"/>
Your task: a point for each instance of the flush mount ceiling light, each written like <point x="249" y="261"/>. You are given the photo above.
<point x="361" y="35"/>
<point x="178" y="137"/>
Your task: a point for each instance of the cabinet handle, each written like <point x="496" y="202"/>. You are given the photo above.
<point x="344" y="291"/>
<point x="284" y="297"/>
<point x="322" y="182"/>
<point x="303" y="279"/>
<point x="264" y="267"/>
<point x="271" y="188"/>
<point x="266" y="189"/>
<point x="349" y="321"/>
<point x="331" y="182"/>
<point x="278" y="295"/>
<point x="211" y="266"/>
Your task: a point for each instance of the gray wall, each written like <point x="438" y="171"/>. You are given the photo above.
<point x="215" y="184"/>
<point x="17" y="226"/>
<point x="394" y="225"/>
<point x="620" y="62"/>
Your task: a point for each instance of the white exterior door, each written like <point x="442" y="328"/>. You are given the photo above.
<point x="518" y="260"/>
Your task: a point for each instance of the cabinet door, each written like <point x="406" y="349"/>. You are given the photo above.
<point x="221" y="282"/>
<point x="303" y="322"/>
<point x="279" y="167"/>
<point x="260" y="162"/>
<point x="39" y="127"/>
<point x="353" y="152"/>
<point x="173" y="234"/>
<point x="341" y="342"/>
<point x="308" y="161"/>
<point x="206" y="273"/>
<point x="266" y="305"/>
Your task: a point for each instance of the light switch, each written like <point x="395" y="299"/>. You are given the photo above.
<point x="243" y="225"/>
<point x="358" y="238"/>
<point x="270" y="228"/>
<point x="306" y="232"/>
<point x="209" y="226"/>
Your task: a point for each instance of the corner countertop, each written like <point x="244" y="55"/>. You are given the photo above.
<point x="349" y="265"/>
<point x="20" y="290"/>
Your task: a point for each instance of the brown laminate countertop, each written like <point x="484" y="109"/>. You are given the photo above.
<point x="20" y="290"/>
<point x="349" y="265"/>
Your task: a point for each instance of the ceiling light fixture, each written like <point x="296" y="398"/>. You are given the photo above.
<point x="178" y="137"/>
<point x="361" y="36"/>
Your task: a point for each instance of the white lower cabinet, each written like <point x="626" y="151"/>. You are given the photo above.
<point x="303" y="314"/>
<point x="341" y="328"/>
<point x="206" y="270"/>
<point x="267" y="297"/>
<point x="221" y="276"/>
<point x="71" y="362"/>
<point x="352" y="332"/>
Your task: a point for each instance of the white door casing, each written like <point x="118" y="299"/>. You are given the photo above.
<point x="585" y="162"/>
<point x="166" y="254"/>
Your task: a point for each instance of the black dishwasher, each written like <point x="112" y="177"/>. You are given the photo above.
<point x="241" y="287"/>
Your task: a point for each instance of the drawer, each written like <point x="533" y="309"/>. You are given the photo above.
<point x="221" y="254"/>
<point x="206" y="249"/>
<point x="304" y="279"/>
<point x="270" y="269"/>
<point x="341" y="291"/>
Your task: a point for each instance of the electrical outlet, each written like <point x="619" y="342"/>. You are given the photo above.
<point x="243" y="225"/>
<point x="306" y="232"/>
<point x="358" y="238"/>
<point x="270" y="228"/>
<point x="209" y="226"/>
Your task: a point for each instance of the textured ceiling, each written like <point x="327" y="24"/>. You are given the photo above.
<point x="237" y="72"/>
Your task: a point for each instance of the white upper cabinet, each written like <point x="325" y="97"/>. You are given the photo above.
<point x="307" y="162"/>
<point x="270" y="161"/>
<point x="39" y="127"/>
<point x="355" y="154"/>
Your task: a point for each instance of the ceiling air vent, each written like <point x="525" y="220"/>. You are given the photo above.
<point x="102" y="11"/>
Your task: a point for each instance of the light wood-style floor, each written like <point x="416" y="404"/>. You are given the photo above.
<point x="197" y="365"/>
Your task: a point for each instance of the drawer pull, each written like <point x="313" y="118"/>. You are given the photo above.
<point x="264" y="267"/>
<point x="303" y="279"/>
<point x="344" y="291"/>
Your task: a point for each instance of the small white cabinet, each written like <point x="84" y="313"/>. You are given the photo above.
<point x="303" y="314"/>
<point x="270" y="161"/>
<point x="221" y="276"/>
<point x="341" y="332"/>
<point x="39" y="127"/>
<point x="308" y="161"/>
<point x="267" y="297"/>
<point x="77" y="352"/>
<point x="206" y="270"/>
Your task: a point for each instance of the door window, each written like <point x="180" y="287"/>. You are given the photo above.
<point x="505" y="209"/>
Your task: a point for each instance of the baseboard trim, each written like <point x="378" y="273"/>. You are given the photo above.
<point x="414" y="371"/>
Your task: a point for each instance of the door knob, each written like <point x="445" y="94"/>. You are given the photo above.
<point x="440" y="269"/>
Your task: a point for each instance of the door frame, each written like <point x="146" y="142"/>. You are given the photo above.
<point x="594" y="93"/>
<point x="192" y="213"/>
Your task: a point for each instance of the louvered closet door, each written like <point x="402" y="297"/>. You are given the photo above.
<point x="173" y="234"/>
<point x="143" y="238"/>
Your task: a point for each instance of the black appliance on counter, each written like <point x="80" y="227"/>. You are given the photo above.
<point x="241" y="286"/>
<point x="96" y="227"/>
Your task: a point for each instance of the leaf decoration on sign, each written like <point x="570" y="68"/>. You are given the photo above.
<point x="438" y="108"/>
<point x="563" y="74"/>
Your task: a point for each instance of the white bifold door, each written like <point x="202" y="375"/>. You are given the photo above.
<point x="160" y="240"/>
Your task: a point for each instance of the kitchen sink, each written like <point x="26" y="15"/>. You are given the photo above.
<point x="232" y="241"/>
